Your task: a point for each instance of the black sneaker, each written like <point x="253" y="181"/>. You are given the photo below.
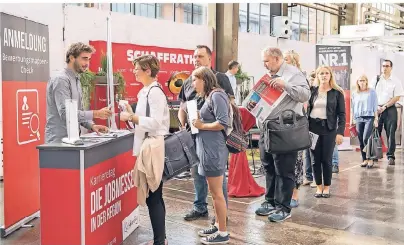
<point x="392" y="161"/>
<point x="194" y="215"/>
<point x="216" y="239"/>
<point x="335" y="169"/>
<point x="208" y="231"/>
<point x="265" y="209"/>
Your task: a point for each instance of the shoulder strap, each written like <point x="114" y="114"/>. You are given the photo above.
<point x="148" y="105"/>
<point x="209" y="99"/>
<point x="210" y="107"/>
<point x="377" y="81"/>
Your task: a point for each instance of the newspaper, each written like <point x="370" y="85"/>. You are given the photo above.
<point x="262" y="99"/>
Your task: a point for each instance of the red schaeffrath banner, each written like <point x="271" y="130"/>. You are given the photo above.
<point x="171" y="60"/>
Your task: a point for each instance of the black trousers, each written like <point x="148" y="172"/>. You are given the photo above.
<point x="157" y="213"/>
<point x="389" y="119"/>
<point x="280" y="177"/>
<point x="322" y="166"/>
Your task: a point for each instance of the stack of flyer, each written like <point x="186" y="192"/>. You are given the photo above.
<point x="262" y="99"/>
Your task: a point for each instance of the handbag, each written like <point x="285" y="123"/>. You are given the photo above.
<point x="180" y="150"/>
<point x="374" y="150"/>
<point x="287" y="133"/>
<point x="352" y="131"/>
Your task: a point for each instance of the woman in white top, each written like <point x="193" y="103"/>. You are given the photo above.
<point x="156" y="124"/>
<point x="326" y="112"/>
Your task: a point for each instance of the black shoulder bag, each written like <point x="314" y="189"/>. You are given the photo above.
<point x="180" y="150"/>
<point x="288" y="133"/>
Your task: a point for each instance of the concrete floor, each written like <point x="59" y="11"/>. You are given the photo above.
<point x="366" y="207"/>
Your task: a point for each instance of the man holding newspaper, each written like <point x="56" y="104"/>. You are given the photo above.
<point x="288" y="89"/>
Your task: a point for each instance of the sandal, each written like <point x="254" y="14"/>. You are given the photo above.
<point x="364" y="164"/>
<point x="370" y="165"/>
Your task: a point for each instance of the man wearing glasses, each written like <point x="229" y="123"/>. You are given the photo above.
<point x="389" y="90"/>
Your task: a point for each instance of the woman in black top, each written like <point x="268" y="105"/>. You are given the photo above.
<point x="326" y="112"/>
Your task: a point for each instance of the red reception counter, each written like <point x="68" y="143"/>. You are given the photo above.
<point x="87" y="193"/>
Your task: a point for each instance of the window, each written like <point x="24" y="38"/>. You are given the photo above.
<point x="294" y="15"/>
<point x="199" y="15"/>
<point x="312" y="26"/>
<point x="121" y="7"/>
<point x="265" y="19"/>
<point x="309" y="24"/>
<point x="320" y="25"/>
<point x="145" y="9"/>
<point x="304" y="24"/>
<point x="191" y="13"/>
<point x="165" y="11"/>
<point x="188" y="13"/>
<point x="327" y="24"/>
<point x="243" y="17"/>
<point x="255" y="17"/>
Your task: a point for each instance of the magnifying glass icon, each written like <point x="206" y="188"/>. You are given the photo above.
<point x="34" y="125"/>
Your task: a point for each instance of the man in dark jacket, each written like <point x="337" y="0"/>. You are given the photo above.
<point x="203" y="57"/>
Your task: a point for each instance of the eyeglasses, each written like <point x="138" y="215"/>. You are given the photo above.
<point x="386" y="66"/>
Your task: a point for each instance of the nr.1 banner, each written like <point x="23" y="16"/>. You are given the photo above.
<point x="24" y="75"/>
<point x="339" y="59"/>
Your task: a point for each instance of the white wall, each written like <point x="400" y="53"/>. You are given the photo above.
<point x="250" y="46"/>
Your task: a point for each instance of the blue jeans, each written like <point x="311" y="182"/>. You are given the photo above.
<point x="201" y="191"/>
<point x="307" y="165"/>
<point x="335" y="157"/>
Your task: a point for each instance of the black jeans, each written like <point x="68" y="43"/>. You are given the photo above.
<point x="389" y="120"/>
<point x="322" y="166"/>
<point x="364" y="126"/>
<point x="157" y="213"/>
<point x="280" y="177"/>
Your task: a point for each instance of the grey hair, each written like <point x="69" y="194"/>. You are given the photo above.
<point x="273" y="52"/>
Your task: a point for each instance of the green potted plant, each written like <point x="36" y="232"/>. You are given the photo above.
<point x="241" y="76"/>
<point x="89" y="79"/>
<point x="87" y="87"/>
<point x="243" y="80"/>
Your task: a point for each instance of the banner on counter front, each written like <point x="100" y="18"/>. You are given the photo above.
<point x="24" y="75"/>
<point x="111" y="209"/>
<point x="339" y="59"/>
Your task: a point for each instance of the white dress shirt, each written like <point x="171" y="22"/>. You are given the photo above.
<point x="233" y="83"/>
<point x="159" y="121"/>
<point x="387" y="89"/>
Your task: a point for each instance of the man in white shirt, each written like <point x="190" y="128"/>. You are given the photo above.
<point x="389" y="90"/>
<point x="233" y="67"/>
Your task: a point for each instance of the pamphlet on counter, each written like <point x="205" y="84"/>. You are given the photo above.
<point x="262" y="99"/>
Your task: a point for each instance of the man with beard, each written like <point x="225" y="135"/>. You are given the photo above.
<point x="203" y="57"/>
<point x="66" y="85"/>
